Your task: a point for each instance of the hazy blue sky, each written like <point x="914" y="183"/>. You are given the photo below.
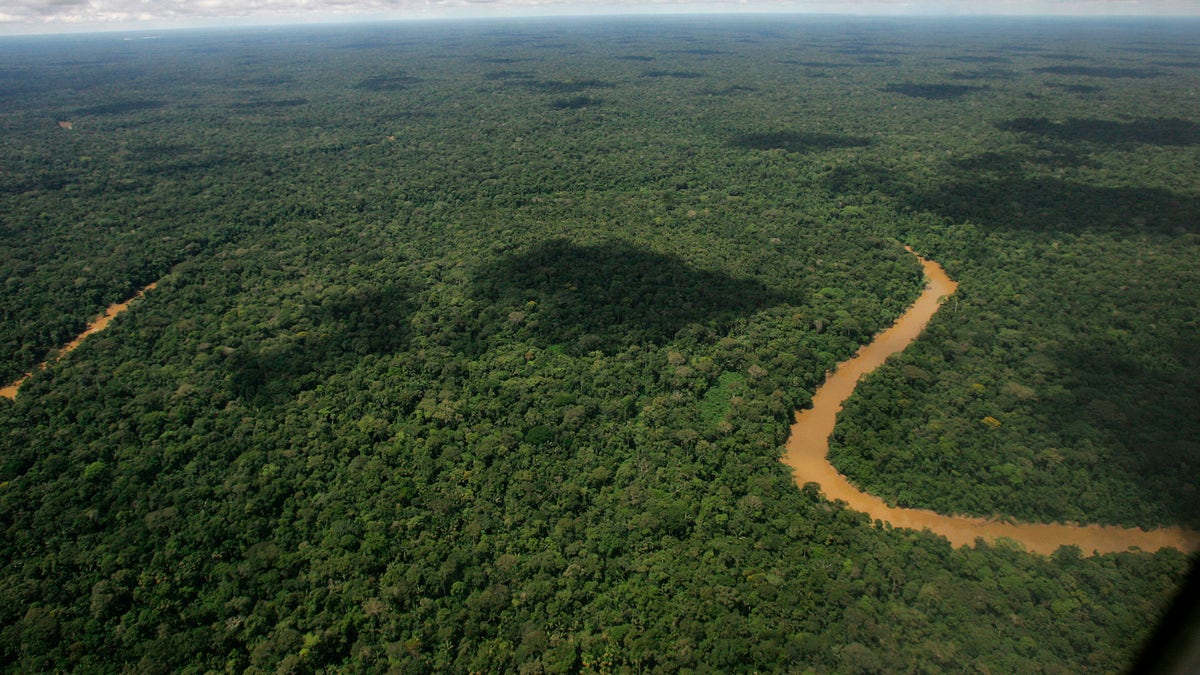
<point x="41" y="16"/>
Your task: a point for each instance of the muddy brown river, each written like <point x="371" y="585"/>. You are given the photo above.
<point x="97" y="325"/>
<point x="808" y="447"/>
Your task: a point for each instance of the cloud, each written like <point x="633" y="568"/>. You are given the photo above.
<point x="51" y="14"/>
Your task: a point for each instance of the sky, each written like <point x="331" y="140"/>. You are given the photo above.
<point x="56" y="16"/>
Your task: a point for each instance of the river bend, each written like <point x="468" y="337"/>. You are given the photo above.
<point x="808" y="449"/>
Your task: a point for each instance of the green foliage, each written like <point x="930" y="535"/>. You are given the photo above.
<point x="931" y="92"/>
<point x="441" y="375"/>
<point x="1090" y="388"/>
<point x="718" y="399"/>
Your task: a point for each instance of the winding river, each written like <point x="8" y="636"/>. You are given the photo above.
<point x="808" y="447"/>
<point x="98" y="324"/>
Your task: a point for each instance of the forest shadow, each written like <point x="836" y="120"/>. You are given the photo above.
<point x="164" y="160"/>
<point x="1076" y="88"/>
<point x="861" y="179"/>
<point x="976" y="58"/>
<point x="727" y="91"/>
<point x="1053" y="205"/>
<point x="563" y="86"/>
<point x="1015" y="164"/>
<point x="64" y="76"/>
<point x="608" y="296"/>
<point x="397" y="81"/>
<point x="1110" y="72"/>
<point x="818" y="64"/>
<point x="119" y="108"/>
<point x="865" y="50"/>
<point x="676" y="74"/>
<point x="983" y="74"/>
<point x="500" y="60"/>
<point x="269" y="81"/>
<point x="931" y="92"/>
<point x="44" y="181"/>
<point x="1155" y="131"/>
<point x="699" y="51"/>
<point x="1176" y="64"/>
<point x="575" y="103"/>
<point x="362" y="322"/>
<point x="1065" y="56"/>
<point x="1151" y="416"/>
<point x="258" y="105"/>
<point x="508" y="75"/>
<point x="797" y="141"/>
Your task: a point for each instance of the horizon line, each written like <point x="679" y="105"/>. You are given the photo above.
<point x="344" y="20"/>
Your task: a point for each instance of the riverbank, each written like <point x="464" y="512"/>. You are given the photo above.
<point x="808" y="448"/>
<point x="98" y="324"/>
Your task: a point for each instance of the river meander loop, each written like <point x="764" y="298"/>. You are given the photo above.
<point x="808" y="448"/>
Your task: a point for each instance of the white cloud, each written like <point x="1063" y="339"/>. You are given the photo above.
<point x="48" y="15"/>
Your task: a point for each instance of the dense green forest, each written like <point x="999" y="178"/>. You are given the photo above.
<point x="475" y="344"/>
